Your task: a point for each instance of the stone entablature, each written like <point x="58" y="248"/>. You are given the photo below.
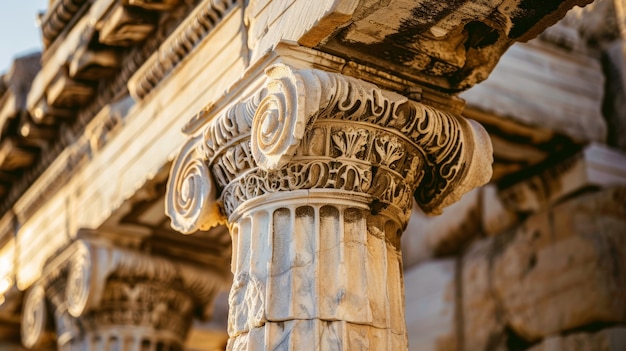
<point x="62" y="200"/>
<point x="97" y="295"/>
<point x="18" y="141"/>
<point x="102" y="44"/>
<point x="58" y="16"/>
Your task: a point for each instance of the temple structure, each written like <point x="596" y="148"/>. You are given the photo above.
<point x="316" y="175"/>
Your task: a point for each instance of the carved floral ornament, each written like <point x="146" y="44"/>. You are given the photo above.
<point x="93" y="285"/>
<point x="311" y="129"/>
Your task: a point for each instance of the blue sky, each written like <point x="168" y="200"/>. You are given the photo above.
<point x="19" y="33"/>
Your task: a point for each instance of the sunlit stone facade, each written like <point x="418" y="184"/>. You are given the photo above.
<point x="316" y="175"/>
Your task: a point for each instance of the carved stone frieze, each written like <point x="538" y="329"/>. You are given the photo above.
<point x="65" y="92"/>
<point x="99" y="294"/>
<point x="109" y="90"/>
<point x="90" y="64"/>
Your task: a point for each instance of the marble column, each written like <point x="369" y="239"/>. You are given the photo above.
<point x="95" y="296"/>
<point x="316" y="174"/>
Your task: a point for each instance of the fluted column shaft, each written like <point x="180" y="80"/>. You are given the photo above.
<point x="316" y="270"/>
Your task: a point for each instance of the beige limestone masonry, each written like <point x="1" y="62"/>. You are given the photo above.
<point x="430" y="294"/>
<point x="482" y="321"/>
<point x="595" y="166"/>
<point x="427" y="236"/>
<point x="491" y="210"/>
<point x="554" y="89"/>
<point x="568" y="260"/>
<point x="610" y="339"/>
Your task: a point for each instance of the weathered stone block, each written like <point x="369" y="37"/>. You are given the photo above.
<point x="431" y="236"/>
<point x="481" y="316"/>
<point x="615" y="100"/>
<point x="594" y="167"/>
<point x="430" y="304"/>
<point x="496" y="216"/>
<point x="554" y="89"/>
<point x="613" y="339"/>
<point x="126" y="26"/>
<point x="564" y="268"/>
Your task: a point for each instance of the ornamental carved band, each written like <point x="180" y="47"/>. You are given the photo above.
<point x="311" y="129"/>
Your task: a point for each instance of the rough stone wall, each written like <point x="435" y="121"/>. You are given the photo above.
<point x="537" y="261"/>
<point x="555" y="279"/>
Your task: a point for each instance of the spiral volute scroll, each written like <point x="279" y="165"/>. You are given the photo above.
<point x="280" y="119"/>
<point x="190" y="198"/>
<point x="79" y="281"/>
<point x="34" y="326"/>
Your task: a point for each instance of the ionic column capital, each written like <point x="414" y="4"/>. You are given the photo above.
<point x="97" y="292"/>
<point x="304" y="122"/>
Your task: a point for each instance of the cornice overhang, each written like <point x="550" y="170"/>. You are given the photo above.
<point x="446" y="45"/>
<point x="81" y="78"/>
<point x="193" y="30"/>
